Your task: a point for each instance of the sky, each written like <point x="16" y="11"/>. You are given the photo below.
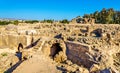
<point x="52" y="9"/>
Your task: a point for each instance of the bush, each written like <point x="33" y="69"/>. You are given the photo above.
<point x="16" y="22"/>
<point x="32" y="21"/>
<point x="65" y="21"/>
<point x="4" y="22"/>
<point x="47" y="21"/>
<point x="4" y="54"/>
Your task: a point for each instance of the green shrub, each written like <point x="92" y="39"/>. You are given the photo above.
<point x="65" y="21"/>
<point x="31" y="21"/>
<point x="105" y="16"/>
<point x="16" y="22"/>
<point x="4" y="54"/>
<point x="47" y="21"/>
<point x="4" y="22"/>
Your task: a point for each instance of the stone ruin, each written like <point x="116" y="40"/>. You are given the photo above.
<point x="93" y="47"/>
<point x="83" y="20"/>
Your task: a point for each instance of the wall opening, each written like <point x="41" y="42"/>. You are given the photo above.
<point x="19" y="52"/>
<point x="97" y="32"/>
<point x="20" y="46"/>
<point x="55" y="49"/>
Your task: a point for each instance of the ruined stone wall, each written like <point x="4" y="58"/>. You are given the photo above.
<point x="70" y="32"/>
<point x="12" y="41"/>
<point x="101" y="42"/>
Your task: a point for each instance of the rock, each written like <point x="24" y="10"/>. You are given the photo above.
<point x="69" y="62"/>
<point x="85" y="71"/>
<point x="26" y="54"/>
<point x="60" y="57"/>
<point x="94" y="68"/>
<point x="70" y="69"/>
<point x="114" y="70"/>
<point x="79" y="54"/>
<point x="8" y="61"/>
<point x="75" y="66"/>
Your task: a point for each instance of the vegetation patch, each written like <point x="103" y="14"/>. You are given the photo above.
<point x="4" y="54"/>
<point x="31" y="21"/>
<point x="4" y="22"/>
<point x="64" y="21"/>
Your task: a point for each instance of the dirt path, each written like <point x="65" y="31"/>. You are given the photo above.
<point x="37" y="64"/>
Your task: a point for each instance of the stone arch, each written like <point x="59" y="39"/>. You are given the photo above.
<point x="55" y="49"/>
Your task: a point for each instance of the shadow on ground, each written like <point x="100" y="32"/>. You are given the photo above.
<point x="12" y="68"/>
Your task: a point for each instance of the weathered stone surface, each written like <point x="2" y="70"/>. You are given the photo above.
<point x="13" y="41"/>
<point x="78" y="54"/>
<point x="4" y="40"/>
<point x="7" y="60"/>
<point x="94" y="68"/>
<point x="60" y="57"/>
<point x="23" y="40"/>
<point x="102" y="53"/>
<point x="0" y="40"/>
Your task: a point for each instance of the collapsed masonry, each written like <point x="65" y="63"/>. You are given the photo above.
<point x="94" y="47"/>
<point x="83" y="20"/>
<point x="83" y="55"/>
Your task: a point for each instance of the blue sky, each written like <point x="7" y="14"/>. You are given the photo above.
<point x="52" y="9"/>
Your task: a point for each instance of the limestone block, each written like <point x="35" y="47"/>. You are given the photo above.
<point x="29" y="40"/>
<point x="79" y="54"/>
<point x="5" y="40"/>
<point x="13" y="41"/>
<point x="0" y="40"/>
<point x="23" y="40"/>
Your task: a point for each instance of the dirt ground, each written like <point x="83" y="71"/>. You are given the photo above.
<point x="37" y="64"/>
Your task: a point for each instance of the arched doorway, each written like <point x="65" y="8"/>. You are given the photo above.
<point x="55" y="49"/>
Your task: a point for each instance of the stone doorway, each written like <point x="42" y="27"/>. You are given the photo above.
<point x="55" y="49"/>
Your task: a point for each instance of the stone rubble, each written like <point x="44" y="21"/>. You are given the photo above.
<point x="84" y="49"/>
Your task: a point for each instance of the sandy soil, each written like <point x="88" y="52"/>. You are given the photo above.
<point x="37" y="64"/>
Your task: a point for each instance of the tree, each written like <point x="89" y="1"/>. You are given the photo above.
<point x="16" y="22"/>
<point x="110" y="16"/>
<point x="4" y="22"/>
<point x="31" y="21"/>
<point x="96" y="15"/>
<point x="47" y="21"/>
<point x="117" y="17"/>
<point x="105" y="16"/>
<point x="65" y="21"/>
<point x="86" y="16"/>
